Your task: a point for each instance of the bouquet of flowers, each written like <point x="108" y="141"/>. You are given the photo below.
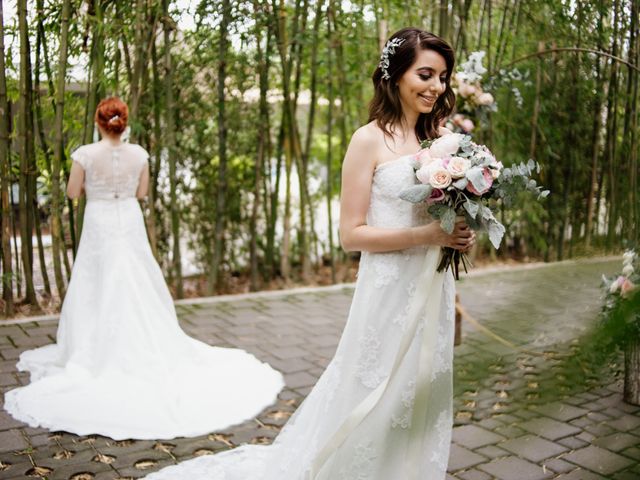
<point x="458" y="178"/>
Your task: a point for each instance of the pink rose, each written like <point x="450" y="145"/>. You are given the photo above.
<point x="467" y="125"/>
<point x="424" y="157"/>
<point x="465" y="90"/>
<point x="436" y="196"/>
<point x="488" y="178"/>
<point x="626" y="287"/>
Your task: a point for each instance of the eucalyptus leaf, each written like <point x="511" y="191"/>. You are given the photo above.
<point x="448" y="220"/>
<point x="471" y="207"/>
<point x="416" y="193"/>
<point x="496" y="232"/>
<point x="461" y="183"/>
<point x="476" y="177"/>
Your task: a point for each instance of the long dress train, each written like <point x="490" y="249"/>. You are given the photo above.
<point x="122" y="367"/>
<point x="382" y="410"/>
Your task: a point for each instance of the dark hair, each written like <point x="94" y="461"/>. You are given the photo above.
<point x="112" y="115"/>
<point x="385" y="107"/>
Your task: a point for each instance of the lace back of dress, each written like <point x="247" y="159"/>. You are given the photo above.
<point x="113" y="173"/>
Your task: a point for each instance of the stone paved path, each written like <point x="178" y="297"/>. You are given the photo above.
<point x="516" y="416"/>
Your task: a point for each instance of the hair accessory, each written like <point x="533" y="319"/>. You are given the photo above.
<point x="114" y="118"/>
<point x="389" y="49"/>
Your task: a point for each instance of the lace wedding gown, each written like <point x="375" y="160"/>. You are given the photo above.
<point x="122" y="367"/>
<point x="382" y="410"/>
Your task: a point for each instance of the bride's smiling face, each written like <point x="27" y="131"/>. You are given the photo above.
<point x="423" y="82"/>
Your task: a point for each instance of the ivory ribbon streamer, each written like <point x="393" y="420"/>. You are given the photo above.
<point x="430" y="282"/>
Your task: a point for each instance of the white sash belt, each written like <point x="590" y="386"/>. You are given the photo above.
<point x="430" y="284"/>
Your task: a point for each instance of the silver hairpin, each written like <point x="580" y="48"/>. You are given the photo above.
<point x="389" y="49"/>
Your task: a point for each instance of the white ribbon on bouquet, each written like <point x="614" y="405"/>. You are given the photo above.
<point x="429" y="283"/>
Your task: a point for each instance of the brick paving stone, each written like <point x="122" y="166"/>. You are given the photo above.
<point x="561" y="411"/>
<point x="625" y="423"/>
<point x="598" y="417"/>
<point x="472" y="436"/>
<point x="510" y="431"/>
<point x="633" y="452"/>
<point x="598" y="460"/>
<point x="491" y="451"/>
<point x="625" y="476"/>
<point x="572" y="442"/>
<point x="460" y="458"/>
<point x="514" y="468"/>
<point x="533" y="448"/>
<point x="549" y="428"/>
<point x="617" y="441"/>
<point x="474" y="475"/>
<point x="558" y="465"/>
<point x="11" y="440"/>
<point x="299" y="379"/>
<point x="580" y="474"/>
<point x="599" y="430"/>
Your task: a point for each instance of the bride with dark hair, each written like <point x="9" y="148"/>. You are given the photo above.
<point x="122" y="366"/>
<point x="382" y="410"/>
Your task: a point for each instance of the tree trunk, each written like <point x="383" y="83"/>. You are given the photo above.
<point x="221" y="188"/>
<point x="632" y="372"/>
<point x="170" y="144"/>
<point x="329" y="194"/>
<point x="25" y="145"/>
<point x="262" y="58"/>
<point x="5" y="234"/>
<point x="58" y="158"/>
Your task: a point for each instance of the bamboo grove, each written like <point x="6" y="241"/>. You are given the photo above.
<point x="247" y="108"/>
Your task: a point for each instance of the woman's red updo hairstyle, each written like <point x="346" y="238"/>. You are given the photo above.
<point x="112" y="115"/>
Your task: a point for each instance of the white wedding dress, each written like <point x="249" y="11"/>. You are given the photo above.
<point x="122" y="367"/>
<point x="382" y="410"/>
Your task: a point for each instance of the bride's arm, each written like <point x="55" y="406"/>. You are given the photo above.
<point x="75" y="185"/>
<point x="355" y="235"/>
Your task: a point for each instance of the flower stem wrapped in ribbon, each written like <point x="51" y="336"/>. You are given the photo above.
<point x="459" y="180"/>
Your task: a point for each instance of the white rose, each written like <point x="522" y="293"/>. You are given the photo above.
<point x="423" y="174"/>
<point x="628" y="256"/>
<point x="494" y="173"/>
<point x="627" y="271"/>
<point x="458" y="166"/>
<point x="446" y="145"/>
<point x="485" y="99"/>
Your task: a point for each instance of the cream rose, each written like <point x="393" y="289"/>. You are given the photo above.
<point x="458" y="166"/>
<point x="485" y="99"/>
<point x="439" y="177"/>
<point x="445" y="145"/>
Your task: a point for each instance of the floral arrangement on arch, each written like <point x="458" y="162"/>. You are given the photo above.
<point x="620" y="287"/>
<point x="474" y="100"/>
<point x="473" y="103"/>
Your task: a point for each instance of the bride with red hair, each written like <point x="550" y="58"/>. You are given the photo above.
<point x="122" y="367"/>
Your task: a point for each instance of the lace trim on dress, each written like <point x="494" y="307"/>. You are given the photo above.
<point x="361" y="465"/>
<point x="440" y="455"/>
<point x="368" y="369"/>
<point x="407" y="397"/>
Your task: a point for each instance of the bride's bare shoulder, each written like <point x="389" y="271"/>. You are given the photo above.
<point x="365" y="144"/>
